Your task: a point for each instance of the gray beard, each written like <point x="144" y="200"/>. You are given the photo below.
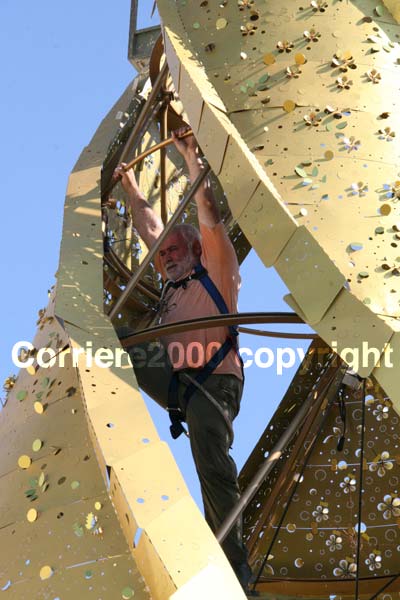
<point x="183" y="268"/>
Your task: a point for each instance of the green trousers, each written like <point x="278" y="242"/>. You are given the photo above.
<point x="209" y="435"/>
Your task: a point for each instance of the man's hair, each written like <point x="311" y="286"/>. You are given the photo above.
<point x="189" y="233"/>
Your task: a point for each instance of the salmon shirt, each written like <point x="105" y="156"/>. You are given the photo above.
<point x="193" y="349"/>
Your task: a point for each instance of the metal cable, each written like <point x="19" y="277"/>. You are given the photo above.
<point x="360" y="492"/>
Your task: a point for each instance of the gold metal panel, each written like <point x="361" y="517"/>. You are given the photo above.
<point x="153" y="568"/>
<point x="213" y="146"/>
<point x="80" y="271"/>
<point x="360" y="340"/>
<point x="184" y="54"/>
<point x="190" y="97"/>
<point x="388" y="372"/>
<point x="328" y="144"/>
<point x="305" y="267"/>
<point x="208" y="583"/>
<point x="237" y="178"/>
<point x="174" y="64"/>
<point x="267" y="227"/>
<point x="101" y="576"/>
<point x="185" y="551"/>
<point x="113" y="422"/>
<point x="309" y="501"/>
<point x="394" y="8"/>
<point x="152" y="490"/>
<point x="77" y="538"/>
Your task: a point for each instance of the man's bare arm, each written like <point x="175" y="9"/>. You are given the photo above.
<point x="207" y="208"/>
<point x="146" y="221"/>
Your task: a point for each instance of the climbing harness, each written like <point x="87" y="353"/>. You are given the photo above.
<point x="175" y="413"/>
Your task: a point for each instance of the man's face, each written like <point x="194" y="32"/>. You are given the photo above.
<point x="176" y="257"/>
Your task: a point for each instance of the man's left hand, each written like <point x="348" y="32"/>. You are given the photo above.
<point x="188" y="146"/>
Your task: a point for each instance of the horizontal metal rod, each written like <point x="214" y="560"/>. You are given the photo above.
<point x="209" y="322"/>
<point x="154" y="148"/>
<point x="155" y="248"/>
<point x="268" y="464"/>
<point x="279" y="334"/>
<point x="139" y="136"/>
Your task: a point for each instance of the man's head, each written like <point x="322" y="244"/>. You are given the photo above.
<point x="180" y="251"/>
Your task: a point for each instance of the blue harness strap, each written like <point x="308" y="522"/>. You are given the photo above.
<point x="175" y="413"/>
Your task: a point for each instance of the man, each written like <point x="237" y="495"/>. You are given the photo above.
<point x="186" y="259"/>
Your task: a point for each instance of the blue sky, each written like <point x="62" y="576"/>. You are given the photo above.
<point x="63" y="67"/>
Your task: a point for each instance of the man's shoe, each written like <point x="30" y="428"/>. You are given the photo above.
<point x="244" y="573"/>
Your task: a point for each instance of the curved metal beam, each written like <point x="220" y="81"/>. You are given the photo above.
<point x="215" y="321"/>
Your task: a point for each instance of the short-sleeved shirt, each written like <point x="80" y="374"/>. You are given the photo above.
<point x="193" y="349"/>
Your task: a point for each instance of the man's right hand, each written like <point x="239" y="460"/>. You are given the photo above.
<point x="127" y="178"/>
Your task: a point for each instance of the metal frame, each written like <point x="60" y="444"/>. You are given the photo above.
<point x="145" y="116"/>
<point x="160" y="146"/>
<point x="322" y="394"/>
<point x="218" y="321"/>
<point x="154" y="249"/>
<point x="163" y="162"/>
<point x="361" y="481"/>
<point x="276" y="453"/>
<point x="140" y="40"/>
<point x="383" y="588"/>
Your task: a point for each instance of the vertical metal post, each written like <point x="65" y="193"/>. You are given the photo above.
<point x="147" y="113"/>
<point x="163" y="164"/>
<point x="360" y="492"/>
<point x="133" y="138"/>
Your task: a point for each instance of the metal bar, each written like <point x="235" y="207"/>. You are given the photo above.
<point x="140" y="133"/>
<point x="154" y="148"/>
<point x="279" y="334"/>
<point x="163" y="165"/>
<point x="112" y="260"/>
<point x="268" y="464"/>
<point x="145" y="111"/>
<point x="388" y="584"/>
<point x="209" y="322"/>
<point x="360" y="493"/>
<point x="299" y="452"/>
<point x="325" y="390"/>
<point x="155" y="248"/>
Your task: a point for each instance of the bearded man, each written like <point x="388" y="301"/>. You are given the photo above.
<point x="200" y="380"/>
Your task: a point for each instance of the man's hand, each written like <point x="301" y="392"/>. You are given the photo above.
<point x="188" y="146"/>
<point x="127" y="178"/>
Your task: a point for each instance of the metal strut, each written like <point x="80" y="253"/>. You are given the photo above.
<point x="383" y="588"/>
<point x="360" y="492"/>
<point x="270" y="462"/>
<point x="322" y="392"/>
<point x="218" y="321"/>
